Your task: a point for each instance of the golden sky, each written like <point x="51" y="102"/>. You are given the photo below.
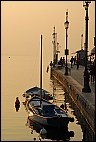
<point x="22" y="22"/>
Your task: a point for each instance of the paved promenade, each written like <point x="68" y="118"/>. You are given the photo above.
<point x="77" y="75"/>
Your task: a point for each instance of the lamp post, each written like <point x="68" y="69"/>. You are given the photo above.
<point x="66" y="50"/>
<point x="54" y="46"/>
<point x="86" y="74"/>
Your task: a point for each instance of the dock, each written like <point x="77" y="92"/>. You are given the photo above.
<point x="73" y="84"/>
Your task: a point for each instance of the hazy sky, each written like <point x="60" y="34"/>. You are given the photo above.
<point x="22" y="22"/>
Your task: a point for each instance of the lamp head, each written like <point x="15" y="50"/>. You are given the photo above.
<point x="86" y="3"/>
<point x="66" y="25"/>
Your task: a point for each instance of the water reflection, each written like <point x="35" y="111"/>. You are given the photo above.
<point x="88" y="135"/>
<point x="64" y="105"/>
<point x="46" y="133"/>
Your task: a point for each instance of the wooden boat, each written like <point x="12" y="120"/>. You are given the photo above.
<point x="50" y="133"/>
<point x="36" y="90"/>
<point x="44" y="112"/>
<point x="47" y="113"/>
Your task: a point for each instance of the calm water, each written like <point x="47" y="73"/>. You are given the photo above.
<point x="19" y="73"/>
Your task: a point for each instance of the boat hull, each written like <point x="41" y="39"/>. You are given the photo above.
<point x="49" y="132"/>
<point x="56" y="122"/>
<point x="51" y="120"/>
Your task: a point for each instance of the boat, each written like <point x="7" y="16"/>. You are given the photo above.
<point x="36" y="90"/>
<point x="45" y="112"/>
<point x="47" y="133"/>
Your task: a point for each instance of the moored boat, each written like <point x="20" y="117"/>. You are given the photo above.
<point x="50" y="133"/>
<point x="44" y="112"/>
<point x="47" y="113"/>
<point x="36" y="91"/>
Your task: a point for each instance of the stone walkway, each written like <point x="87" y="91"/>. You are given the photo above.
<point x="77" y="75"/>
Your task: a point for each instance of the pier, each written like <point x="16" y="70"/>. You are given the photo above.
<point x="73" y="84"/>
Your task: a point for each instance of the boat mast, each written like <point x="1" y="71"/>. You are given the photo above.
<point x="41" y="74"/>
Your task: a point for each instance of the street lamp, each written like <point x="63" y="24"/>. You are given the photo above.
<point x="54" y="46"/>
<point x="86" y="74"/>
<point x="66" y="24"/>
